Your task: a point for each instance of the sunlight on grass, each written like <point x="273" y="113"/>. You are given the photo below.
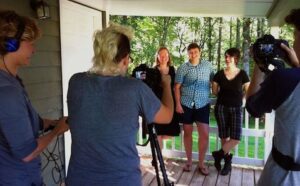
<point x="213" y="141"/>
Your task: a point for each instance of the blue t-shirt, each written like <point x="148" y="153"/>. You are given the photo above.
<point x="195" y="83"/>
<point x="103" y="118"/>
<point x="19" y="126"/>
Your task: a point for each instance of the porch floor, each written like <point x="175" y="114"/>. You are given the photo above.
<point x="239" y="176"/>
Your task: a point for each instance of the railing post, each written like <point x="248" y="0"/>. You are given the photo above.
<point x="269" y="128"/>
<point x="270" y="118"/>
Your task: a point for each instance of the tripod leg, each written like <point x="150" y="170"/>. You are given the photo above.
<point x="155" y="145"/>
<point x="154" y="160"/>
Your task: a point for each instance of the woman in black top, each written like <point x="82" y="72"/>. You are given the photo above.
<point x="163" y="64"/>
<point x="229" y="85"/>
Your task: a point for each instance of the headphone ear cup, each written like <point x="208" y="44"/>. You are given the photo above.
<point x="12" y="45"/>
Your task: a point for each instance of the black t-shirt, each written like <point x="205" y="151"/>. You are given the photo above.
<point x="231" y="91"/>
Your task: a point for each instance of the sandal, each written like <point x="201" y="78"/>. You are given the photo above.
<point x="187" y="168"/>
<point x="203" y="170"/>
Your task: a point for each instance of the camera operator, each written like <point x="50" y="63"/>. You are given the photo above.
<point x="104" y="108"/>
<point x="280" y="91"/>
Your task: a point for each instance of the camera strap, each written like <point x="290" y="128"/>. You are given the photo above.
<point x="144" y="133"/>
<point x="284" y="161"/>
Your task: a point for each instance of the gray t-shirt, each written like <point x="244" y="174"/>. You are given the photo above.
<point x="280" y="92"/>
<point x="103" y="119"/>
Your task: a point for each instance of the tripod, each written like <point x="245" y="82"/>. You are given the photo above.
<point x="156" y="154"/>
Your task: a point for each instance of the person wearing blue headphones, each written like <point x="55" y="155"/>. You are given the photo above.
<point x="20" y="143"/>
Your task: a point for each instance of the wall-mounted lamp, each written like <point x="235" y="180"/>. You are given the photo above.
<point x="42" y="8"/>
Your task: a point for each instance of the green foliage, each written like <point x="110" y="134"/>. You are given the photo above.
<point x="176" y="33"/>
<point x="287" y="33"/>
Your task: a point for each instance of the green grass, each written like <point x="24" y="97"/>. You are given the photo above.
<point x="213" y="136"/>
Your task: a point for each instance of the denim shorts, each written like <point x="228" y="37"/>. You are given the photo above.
<point x="192" y="115"/>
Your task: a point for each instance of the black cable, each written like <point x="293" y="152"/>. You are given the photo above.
<point x="56" y="158"/>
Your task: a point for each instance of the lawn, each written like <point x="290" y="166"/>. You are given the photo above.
<point x="241" y="146"/>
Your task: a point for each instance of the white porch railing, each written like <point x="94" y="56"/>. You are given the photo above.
<point x="253" y="149"/>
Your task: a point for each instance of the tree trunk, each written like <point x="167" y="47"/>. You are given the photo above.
<point x="238" y="34"/>
<point x="220" y="43"/>
<point x="230" y="33"/>
<point x="209" y="44"/>
<point x="262" y="26"/>
<point x="165" y="28"/>
<point x="258" y="30"/>
<point x="180" y="30"/>
<point x="246" y="44"/>
<point x="124" y="20"/>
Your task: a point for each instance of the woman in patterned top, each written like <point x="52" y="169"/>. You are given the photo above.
<point x="230" y="86"/>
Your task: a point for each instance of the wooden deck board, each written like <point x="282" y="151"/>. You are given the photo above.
<point x="257" y="175"/>
<point x="248" y="177"/>
<point x="238" y="176"/>
<point x="169" y="170"/>
<point x="197" y="179"/>
<point x="186" y="177"/>
<point x="212" y="177"/>
<point x="223" y="180"/>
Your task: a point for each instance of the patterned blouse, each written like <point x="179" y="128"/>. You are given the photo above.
<point x="195" y="83"/>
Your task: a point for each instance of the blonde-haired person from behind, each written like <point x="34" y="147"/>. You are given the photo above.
<point x="164" y="65"/>
<point x="104" y="107"/>
<point x="20" y="124"/>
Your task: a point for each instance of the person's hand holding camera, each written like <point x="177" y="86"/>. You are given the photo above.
<point x="294" y="62"/>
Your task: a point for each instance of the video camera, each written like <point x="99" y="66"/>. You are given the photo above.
<point x="150" y="76"/>
<point x="268" y="53"/>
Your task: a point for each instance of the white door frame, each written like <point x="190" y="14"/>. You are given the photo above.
<point x="77" y="26"/>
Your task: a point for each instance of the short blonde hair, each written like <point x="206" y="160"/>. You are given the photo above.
<point x="10" y="22"/>
<point x="111" y="45"/>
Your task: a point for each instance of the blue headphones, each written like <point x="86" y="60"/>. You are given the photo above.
<point x="12" y="44"/>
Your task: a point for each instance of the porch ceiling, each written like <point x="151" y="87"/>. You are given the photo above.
<point x="274" y="10"/>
